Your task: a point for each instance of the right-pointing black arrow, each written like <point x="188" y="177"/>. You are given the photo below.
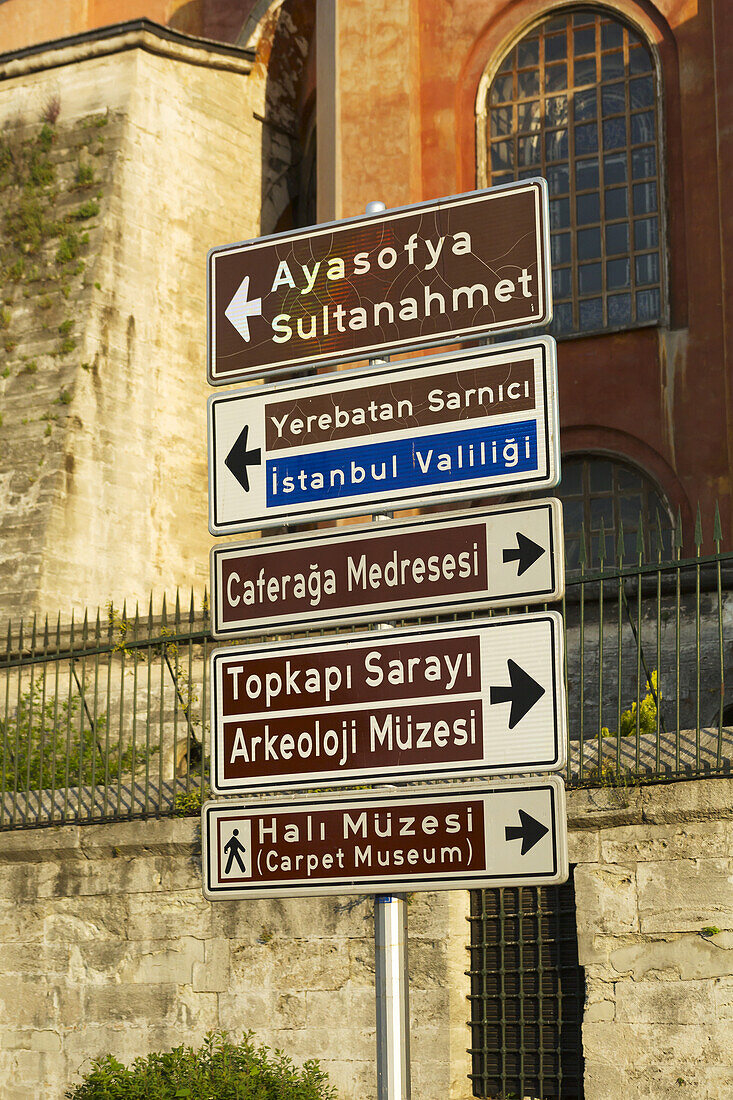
<point x="526" y="553"/>
<point x="530" y="831"/>
<point x="522" y="694"/>
<point x="240" y="457"/>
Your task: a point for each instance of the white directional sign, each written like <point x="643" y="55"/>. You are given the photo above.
<point x="465" y="699"/>
<point x="413" y="433"/>
<point x="459" y="561"/>
<point x="433" y="273"/>
<point x="439" y="838"/>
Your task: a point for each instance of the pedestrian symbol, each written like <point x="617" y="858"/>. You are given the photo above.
<point x="235" y="849"/>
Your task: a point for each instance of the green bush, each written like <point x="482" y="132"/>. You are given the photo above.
<point x="219" y="1070"/>
<point x="88" y="209"/>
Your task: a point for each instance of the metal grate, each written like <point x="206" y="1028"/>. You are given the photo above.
<point x="600" y="493"/>
<point x="527" y="994"/>
<point x="576" y="101"/>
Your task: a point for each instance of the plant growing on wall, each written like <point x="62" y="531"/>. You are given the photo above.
<point x="47" y="743"/>
<point x="218" y="1070"/>
<point x="647" y="713"/>
<point x="125" y="630"/>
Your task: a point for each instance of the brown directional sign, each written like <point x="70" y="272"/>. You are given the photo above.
<point x="451" y="699"/>
<point x="497" y="556"/>
<point x="425" y="274"/>
<point x="507" y="834"/>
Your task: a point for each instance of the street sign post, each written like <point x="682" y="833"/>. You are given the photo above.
<point x="439" y="838"/>
<point x="437" y="272"/>
<point x="490" y="557"/>
<point x="412" y="433"/>
<point x="447" y="700"/>
<point x="450" y="699"/>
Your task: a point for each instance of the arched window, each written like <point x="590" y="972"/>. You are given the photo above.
<point x="601" y="494"/>
<point x="576" y="100"/>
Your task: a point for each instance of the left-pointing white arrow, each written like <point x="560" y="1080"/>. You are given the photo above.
<point x="240" y="309"/>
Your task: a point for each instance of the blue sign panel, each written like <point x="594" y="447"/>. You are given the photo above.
<point x="394" y="436"/>
<point x="403" y="464"/>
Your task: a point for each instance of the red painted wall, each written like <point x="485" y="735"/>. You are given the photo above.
<point x="659" y="397"/>
<point x="27" y="22"/>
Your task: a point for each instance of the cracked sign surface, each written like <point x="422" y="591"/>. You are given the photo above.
<point x="433" y="273"/>
<point x="509" y="834"/>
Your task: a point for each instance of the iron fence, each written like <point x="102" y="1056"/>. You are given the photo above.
<point x="103" y="719"/>
<point x="107" y="718"/>
<point x="648" y="647"/>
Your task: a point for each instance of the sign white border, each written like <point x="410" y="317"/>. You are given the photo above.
<point x="554" y="748"/>
<point x="556" y="872"/>
<point x="527" y="590"/>
<point x="447" y="336"/>
<point x="233" y="510"/>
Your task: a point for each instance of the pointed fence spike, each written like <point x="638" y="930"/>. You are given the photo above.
<point x="640" y="538"/>
<point x="660" y="537"/>
<point x="85" y="627"/>
<point x="620" y="548"/>
<point x="58" y="630"/>
<point x="33" y="632"/>
<point x="582" y="549"/>
<point x="698" y="530"/>
<point x="164" y="613"/>
<point x="45" y="632"/>
<point x="677" y="540"/>
<point x="717" y="529"/>
<point x="191" y="608"/>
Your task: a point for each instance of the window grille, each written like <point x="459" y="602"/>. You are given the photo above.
<point x="602" y="497"/>
<point x="576" y="100"/>
<point x="527" y="994"/>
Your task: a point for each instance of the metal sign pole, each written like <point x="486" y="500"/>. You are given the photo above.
<point x="393" y="1010"/>
<point x="390" y="955"/>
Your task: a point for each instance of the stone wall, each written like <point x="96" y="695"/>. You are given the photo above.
<point x="654" y="897"/>
<point x="111" y="502"/>
<point x="106" y="943"/>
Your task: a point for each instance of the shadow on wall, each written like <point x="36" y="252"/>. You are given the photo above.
<point x="283" y="42"/>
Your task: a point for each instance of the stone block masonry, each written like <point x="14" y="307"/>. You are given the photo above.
<point x="106" y="944"/>
<point x="103" y="356"/>
<point x="654" y="898"/>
